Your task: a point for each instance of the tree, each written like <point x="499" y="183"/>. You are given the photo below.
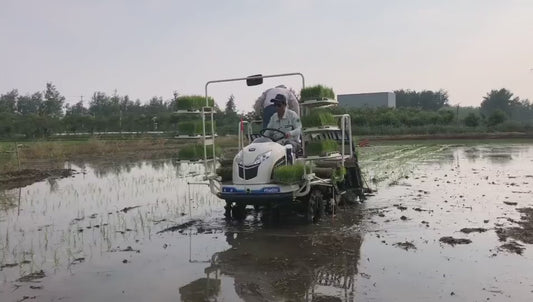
<point x="501" y="100"/>
<point x="156" y="105"/>
<point x="522" y="111"/>
<point x="445" y="117"/>
<point x="77" y="110"/>
<point x="425" y="100"/>
<point x="496" y="117"/>
<point x="7" y="124"/>
<point x="100" y="105"/>
<point x="230" y="106"/>
<point x="174" y="101"/>
<point x="53" y="102"/>
<point x="471" y="120"/>
<point x="8" y="101"/>
<point x="30" y="104"/>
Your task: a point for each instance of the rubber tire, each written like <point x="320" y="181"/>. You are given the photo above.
<point x="238" y="212"/>
<point x="227" y="210"/>
<point x="315" y="206"/>
<point x="320" y="209"/>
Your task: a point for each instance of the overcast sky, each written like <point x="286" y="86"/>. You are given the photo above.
<point x="152" y="48"/>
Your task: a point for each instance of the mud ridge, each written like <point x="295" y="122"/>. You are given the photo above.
<point x="21" y="178"/>
<point x="453" y="241"/>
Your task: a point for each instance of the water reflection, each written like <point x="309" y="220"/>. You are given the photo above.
<point x="496" y="154"/>
<point x="52" y="182"/>
<point x="103" y="168"/>
<point x="305" y="263"/>
<point x="203" y="289"/>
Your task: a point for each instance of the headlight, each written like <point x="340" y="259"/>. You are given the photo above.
<point x="262" y="157"/>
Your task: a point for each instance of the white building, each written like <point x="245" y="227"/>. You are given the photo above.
<point x="367" y="100"/>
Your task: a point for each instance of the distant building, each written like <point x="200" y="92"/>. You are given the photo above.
<point x="367" y="100"/>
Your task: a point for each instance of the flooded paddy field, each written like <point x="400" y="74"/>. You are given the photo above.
<point x="449" y="222"/>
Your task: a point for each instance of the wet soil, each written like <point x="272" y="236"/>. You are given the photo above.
<point x="522" y="229"/>
<point x="32" y="277"/>
<point x="405" y="245"/>
<point x="453" y="241"/>
<point x="473" y="230"/>
<point x="513" y="247"/>
<point x="138" y="232"/>
<point x="466" y="136"/>
<point x="21" y="178"/>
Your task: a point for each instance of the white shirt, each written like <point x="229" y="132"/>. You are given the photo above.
<point x="289" y="123"/>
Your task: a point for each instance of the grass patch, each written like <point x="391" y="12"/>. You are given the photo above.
<point x="8" y="156"/>
<point x="321" y="148"/>
<point x="317" y="92"/>
<point x="196" y="152"/>
<point x="319" y="118"/>
<point x="54" y="152"/>
<point x="289" y="174"/>
<point x="193" y="102"/>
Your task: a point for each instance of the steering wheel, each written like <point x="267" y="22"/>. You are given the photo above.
<point x="262" y="133"/>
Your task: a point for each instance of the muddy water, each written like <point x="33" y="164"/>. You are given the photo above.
<point x="127" y="232"/>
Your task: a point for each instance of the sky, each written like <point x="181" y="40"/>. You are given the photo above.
<point x="153" y="48"/>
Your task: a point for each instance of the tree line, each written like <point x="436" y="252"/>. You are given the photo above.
<point x="41" y="114"/>
<point x="44" y="113"/>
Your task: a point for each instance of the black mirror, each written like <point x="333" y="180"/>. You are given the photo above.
<point x="254" y="80"/>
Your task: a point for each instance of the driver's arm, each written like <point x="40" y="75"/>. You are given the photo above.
<point x="271" y="124"/>
<point x="297" y="126"/>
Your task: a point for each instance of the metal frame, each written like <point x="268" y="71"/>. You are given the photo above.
<point x="212" y="109"/>
<point x="310" y="178"/>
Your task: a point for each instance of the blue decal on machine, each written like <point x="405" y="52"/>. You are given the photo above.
<point x="229" y="189"/>
<point x="271" y="190"/>
<point x="265" y="190"/>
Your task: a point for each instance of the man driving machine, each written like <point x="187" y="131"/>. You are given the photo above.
<point x="285" y="121"/>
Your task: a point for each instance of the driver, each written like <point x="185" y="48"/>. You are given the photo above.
<point x="285" y="120"/>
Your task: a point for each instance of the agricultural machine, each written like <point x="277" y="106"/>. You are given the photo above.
<point x="267" y="174"/>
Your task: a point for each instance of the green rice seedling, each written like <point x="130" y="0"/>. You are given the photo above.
<point x="338" y="175"/>
<point x="187" y="128"/>
<point x="321" y="148"/>
<point x="194" y="128"/>
<point x="207" y="127"/>
<point x="289" y="174"/>
<point x="317" y="92"/>
<point x="193" y="102"/>
<point x="319" y="118"/>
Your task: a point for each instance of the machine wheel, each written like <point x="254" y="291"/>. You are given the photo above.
<point x="315" y="207"/>
<point x="238" y="211"/>
<point x="227" y="210"/>
<point x="270" y="214"/>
